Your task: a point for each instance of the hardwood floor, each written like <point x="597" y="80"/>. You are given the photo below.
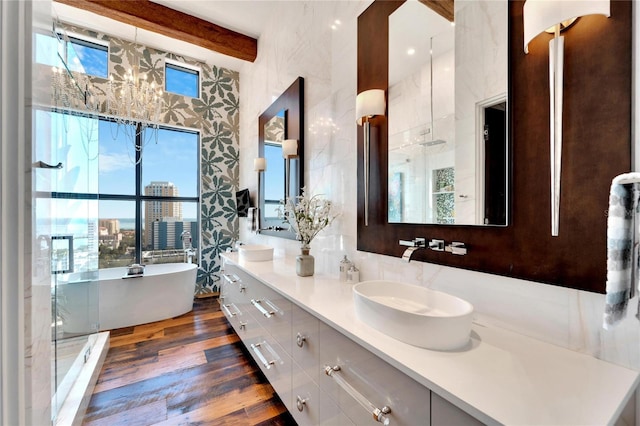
<point x="186" y="370"/>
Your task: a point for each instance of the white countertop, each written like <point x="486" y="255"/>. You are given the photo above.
<point x="501" y="377"/>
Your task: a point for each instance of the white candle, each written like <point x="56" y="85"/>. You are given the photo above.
<point x="260" y="164"/>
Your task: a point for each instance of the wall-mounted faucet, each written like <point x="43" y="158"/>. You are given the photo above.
<point x="413" y="246"/>
<point x="416" y="244"/>
<point x="272" y="228"/>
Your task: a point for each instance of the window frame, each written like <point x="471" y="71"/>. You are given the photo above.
<point x="139" y="198"/>
<point x="83" y="40"/>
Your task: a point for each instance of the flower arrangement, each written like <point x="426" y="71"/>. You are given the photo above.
<point x="308" y="216"/>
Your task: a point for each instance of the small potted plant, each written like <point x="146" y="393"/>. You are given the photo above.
<point x="307" y="216"/>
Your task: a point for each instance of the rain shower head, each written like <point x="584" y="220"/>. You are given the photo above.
<point x="433" y="142"/>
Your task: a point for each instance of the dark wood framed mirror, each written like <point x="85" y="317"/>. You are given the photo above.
<point x="597" y="147"/>
<point x="283" y="120"/>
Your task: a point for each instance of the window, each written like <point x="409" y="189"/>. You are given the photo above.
<point x="161" y="186"/>
<point x="87" y="57"/>
<point x="182" y="79"/>
<point x="144" y="204"/>
<point x="81" y="55"/>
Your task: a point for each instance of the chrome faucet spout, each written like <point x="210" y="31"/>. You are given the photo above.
<point x="408" y="253"/>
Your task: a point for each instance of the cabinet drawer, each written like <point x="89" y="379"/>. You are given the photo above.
<point x="274" y="363"/>
<point x="330" y="414"/>
<point x="238" y="286"/>
<point x="269" y="308"/>
<point x="443" y="413"/>
<point x="372" y="378"/>
<point x="305" y="396"/>
<point x="306" y="341"/>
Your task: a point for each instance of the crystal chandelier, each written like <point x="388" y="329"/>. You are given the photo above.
<point x="72" y="91"/>
<point x="135" y="103"/>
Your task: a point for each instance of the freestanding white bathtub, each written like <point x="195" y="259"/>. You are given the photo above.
<point x="165" y="291"/>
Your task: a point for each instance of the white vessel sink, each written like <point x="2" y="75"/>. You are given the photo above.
<point x="415" y="315"/>
<point x="256" y="252"/>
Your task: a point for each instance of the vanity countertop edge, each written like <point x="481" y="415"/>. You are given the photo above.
<point x="501" y="377"/>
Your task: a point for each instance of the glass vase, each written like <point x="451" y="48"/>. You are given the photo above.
<point x="305" y="263"/>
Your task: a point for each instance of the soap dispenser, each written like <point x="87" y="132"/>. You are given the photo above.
<point x="353" y="274"/>
<point x="345" y="264"/>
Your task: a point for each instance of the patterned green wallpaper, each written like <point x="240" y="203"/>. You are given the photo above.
<point x="216" y="115"/>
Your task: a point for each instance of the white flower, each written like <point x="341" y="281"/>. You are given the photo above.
<point x="308" y="215"/>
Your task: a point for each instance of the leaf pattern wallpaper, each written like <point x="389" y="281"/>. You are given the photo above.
<point x="216" y="115"/>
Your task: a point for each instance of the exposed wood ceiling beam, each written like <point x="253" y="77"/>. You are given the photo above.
<point x="443" y="8"/>
<point x="171" y="23"/>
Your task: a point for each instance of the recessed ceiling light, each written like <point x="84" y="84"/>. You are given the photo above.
<point x="411" y="51"/>
<point x="337" y="22"/>
<point x="334" y="27"/>
<point x="453" y="24"/>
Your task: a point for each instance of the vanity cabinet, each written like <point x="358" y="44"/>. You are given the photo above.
<point x="373" y="382"/>
<point x="295" y="351"/>
<point x="445" y="414"/>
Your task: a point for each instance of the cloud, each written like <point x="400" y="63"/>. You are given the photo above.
<point x="114" y="162"/>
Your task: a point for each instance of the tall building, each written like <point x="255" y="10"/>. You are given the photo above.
<point x="166" y="234"/>
<point x="156" y="211"/>
<point x="112" y="225"/>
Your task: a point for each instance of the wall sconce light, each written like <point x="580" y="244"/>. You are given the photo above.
<point x="289" y="151"/>
<point x="259" y="164"/>
<point x="368" y="104"/>
<point x="553" y="16"/>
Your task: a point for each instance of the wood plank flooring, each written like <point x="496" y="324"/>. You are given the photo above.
<point x="186" y="370"/>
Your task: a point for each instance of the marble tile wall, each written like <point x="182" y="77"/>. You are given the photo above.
<point x="300" y="42"/>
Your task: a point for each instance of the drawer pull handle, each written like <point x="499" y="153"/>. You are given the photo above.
<point x="267" y="364"/>
<point x="258" y="304"/>
<point x="235" y="308"/>
<point x="243" y="325"/>
<point x="230" y="279"/>
<point x="300" y="403"/>
<point x="379" y="414"/>
<point x="300" y="339"/>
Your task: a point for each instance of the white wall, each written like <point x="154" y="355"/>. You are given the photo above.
<point x="300" y="42"/>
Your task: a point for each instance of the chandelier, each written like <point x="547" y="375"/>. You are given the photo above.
<point x="135" y="103"/>
<point x="72" y="91"/>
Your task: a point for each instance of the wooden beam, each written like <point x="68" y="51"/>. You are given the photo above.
<point x="171" y="23"/>
<point x="443" y="8"/>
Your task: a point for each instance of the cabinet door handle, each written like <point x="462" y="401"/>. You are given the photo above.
<point x="258" y="304"/>
<point x="379" y="414"/>
<point x="300" y="403"/>
<point x="267" y="364"/>
<point x="300" y="339"/>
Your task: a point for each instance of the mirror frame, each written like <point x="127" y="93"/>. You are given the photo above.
<point x="524" y="249"/>
<point x="292" y="102"/>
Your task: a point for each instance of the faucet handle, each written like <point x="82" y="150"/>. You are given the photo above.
<point x="457" y="248"/>
<point x="416" y="242"/>
<point x="436" y="245"/>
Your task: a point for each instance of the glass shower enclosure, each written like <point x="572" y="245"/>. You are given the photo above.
<point x="66" y="154"/>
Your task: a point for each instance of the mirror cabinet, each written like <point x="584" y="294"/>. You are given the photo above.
<point x="282" y="120"/>
<point x="447" y="108"/>
<point x="596" y="147"/>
